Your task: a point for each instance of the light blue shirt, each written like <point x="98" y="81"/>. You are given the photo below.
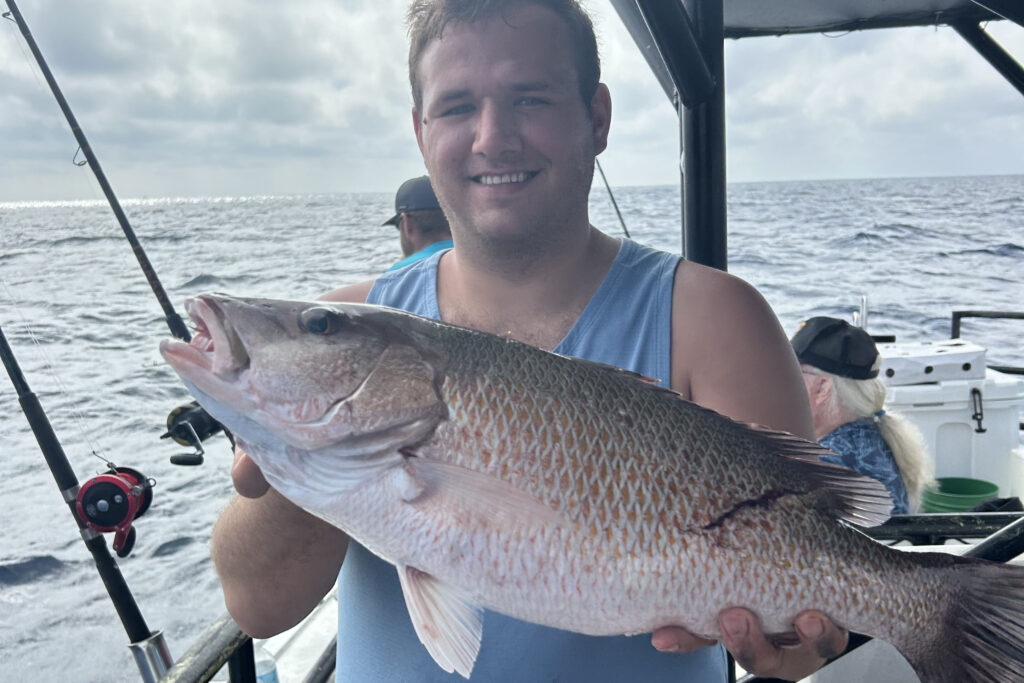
<point x="423" y="253"/>
<point x="627" y="323"/>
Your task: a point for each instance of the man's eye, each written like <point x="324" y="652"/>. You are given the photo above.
<point x="457" y="110"/>
<point x="531" y="101"/>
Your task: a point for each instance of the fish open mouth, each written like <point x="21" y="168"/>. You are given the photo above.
<point x="215" y="338"/>
<point x="216" y="346"/>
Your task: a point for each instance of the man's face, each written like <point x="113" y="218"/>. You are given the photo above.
<point x="507" y="140"/>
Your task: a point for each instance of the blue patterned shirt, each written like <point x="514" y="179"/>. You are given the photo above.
<point x="860" y="447"/>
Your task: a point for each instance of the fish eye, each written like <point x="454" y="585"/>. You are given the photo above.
<point x="321" y="320"/>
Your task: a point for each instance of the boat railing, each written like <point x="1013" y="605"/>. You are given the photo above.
<point x="224" y="644"/>
<point x="1004" y="315"/>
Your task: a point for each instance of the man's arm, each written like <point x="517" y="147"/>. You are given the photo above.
<point x="274" y="560"/>
<point x="729" y="353"/>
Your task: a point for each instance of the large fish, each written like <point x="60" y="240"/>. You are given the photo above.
<point x="496" y="475"/>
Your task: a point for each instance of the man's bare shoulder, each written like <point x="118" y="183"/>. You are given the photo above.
<point x="706" y="295"/>
<point x="730" y="354"/>
<point x="350" y="293"/>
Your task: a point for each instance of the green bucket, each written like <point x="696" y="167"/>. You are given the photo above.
<point x="957" y="494"/>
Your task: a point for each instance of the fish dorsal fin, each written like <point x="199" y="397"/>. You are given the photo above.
<point x="485" y="495"/>
<point x="854" y="498"/>
<point x="448" y="624"/>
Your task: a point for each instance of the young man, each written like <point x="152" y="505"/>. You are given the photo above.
<point x="422" y="227"/>
<point x="509" y="115"/>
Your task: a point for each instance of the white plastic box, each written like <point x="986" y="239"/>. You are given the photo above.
<point x="934" y="361"/>
<point x="944" y="413"/>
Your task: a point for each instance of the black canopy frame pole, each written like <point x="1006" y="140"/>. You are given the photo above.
<point x="993" y="52"/>
<point x="148" y="647"/>
<point x="1007" y="9"/>
<point x="704" y="191"/>
<point x="174" y="321"/>
<point x="689" y="38"/>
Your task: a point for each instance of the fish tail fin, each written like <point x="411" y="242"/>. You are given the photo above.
<point x="981" y="634"/>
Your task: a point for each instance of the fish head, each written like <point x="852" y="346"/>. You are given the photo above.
<point x="353" y="378"/>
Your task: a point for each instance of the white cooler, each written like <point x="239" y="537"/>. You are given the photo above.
<point x="944" y="413"/>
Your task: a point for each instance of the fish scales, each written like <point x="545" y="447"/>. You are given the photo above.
<point x="637" y="495"/>
<point x="567" y="493"/>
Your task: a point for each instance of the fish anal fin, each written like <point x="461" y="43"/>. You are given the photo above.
<point x="447" y="624"/>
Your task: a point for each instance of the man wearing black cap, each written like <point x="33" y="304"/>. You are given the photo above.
<point x="840" y="365"/>
<point x="422" y="227"/>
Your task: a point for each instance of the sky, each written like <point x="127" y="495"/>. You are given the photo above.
<point x="237" y="98"/>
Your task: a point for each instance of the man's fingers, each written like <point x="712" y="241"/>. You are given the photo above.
<point x="742" y="636"/>
<point x="248" y="480"/>
<point x="820" y="640"/>
<point x="817" y="632"/>
<point x="676" y="639"/>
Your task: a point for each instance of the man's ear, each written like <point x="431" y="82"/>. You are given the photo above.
<point x="407" y="224"/>
<point x="601" y="116"/>
<point x="821" y="389"/>
<point x="417" y="126"/>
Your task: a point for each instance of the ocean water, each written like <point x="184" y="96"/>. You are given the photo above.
<point x="85" y="328"/>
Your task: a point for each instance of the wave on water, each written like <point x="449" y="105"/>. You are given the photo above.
<point x="172" y="547"/>
<point x="79" y="240"/>
<point x="30" y="570"/>
<point x="887" y="233"/>
<point x="860" y="239"/>
<point x="206" y="281"/>
<point x="1008" y="249"/>
<point x="203" y="280"/>
<point x="1005" y="250"/>
<point x="903" y="230"/>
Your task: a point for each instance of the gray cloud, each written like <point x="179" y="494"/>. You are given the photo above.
<point x="254" y="97"/>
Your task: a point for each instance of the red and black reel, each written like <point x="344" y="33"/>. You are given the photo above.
<point x="112" y="501"/>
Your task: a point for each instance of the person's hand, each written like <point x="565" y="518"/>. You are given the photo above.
<point x="249" y="481"/>
<point x="819" y="640"/>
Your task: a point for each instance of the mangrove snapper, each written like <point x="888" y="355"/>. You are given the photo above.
<point x="571" y="494"/>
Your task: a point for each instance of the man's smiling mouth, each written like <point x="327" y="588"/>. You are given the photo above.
<point x="505" y="178"/>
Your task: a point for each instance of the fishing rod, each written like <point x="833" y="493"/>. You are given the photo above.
<point x="611" y="196"/>
<point x="188" y="425"/>
<point x="108" y="502"/>
<point x="174" y="321"/>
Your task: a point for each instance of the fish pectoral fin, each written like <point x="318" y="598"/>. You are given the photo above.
<point x="448" y="625"/>
<point x="476" y="492"/>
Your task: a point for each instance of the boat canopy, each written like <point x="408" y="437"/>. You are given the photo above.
<point x="743" y="18"/>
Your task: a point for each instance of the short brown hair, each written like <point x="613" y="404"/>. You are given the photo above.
<point x="431" y="222"/>
<point x="427" y="20"/>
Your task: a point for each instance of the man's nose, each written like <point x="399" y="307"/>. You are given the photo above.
<point x="497" y="132"/>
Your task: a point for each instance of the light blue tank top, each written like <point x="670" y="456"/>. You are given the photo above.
<point x="627" y="323"/>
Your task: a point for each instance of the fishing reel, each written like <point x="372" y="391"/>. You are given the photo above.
<point x="190" y="425"/>
<point x="112" y="501"/>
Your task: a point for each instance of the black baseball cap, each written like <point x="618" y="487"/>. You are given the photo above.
<point x="836" y="346"/>
<point x="413" y="195"/>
